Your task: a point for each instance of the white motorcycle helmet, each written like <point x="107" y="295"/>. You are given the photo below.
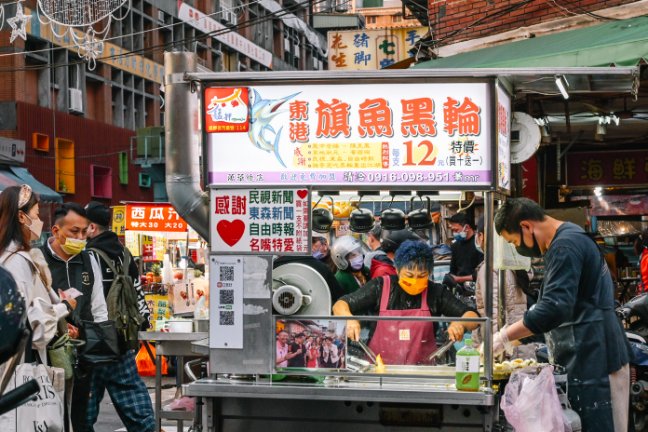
<point x="342" y="247"/>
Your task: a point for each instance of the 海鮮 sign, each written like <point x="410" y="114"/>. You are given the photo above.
<point x="260" y="221"/>
<point x="402" y="134"/>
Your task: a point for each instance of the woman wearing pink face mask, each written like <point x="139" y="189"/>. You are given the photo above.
<point x="410" y="293"/>
<point x="19" y="225"/>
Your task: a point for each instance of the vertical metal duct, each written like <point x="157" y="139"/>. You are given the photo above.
<point x="182" y="143"/>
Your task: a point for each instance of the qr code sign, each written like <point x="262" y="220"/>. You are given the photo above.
<point x="226" y="296"/>
<point x="226" y="318"/>
<point x="227" y="273"/>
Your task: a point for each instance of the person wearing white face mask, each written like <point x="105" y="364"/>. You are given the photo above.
<point x="348" y="255"/>
<point x="19" y="225"/>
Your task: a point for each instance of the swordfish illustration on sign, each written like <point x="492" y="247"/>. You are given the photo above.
<point x="262" y="134"/>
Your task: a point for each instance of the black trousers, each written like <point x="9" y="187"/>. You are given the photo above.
<point x="80" y="397"/>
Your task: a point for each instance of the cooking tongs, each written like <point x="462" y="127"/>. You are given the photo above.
<point x="440" y="351"/>
<point x="367" y="350"/>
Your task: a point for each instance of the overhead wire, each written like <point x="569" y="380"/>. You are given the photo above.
<point x="129" y="34"/>
<point x="485" y="18"/>
<point x="591" y="14"/>
<point x="160" y="47"/>
<point x="566" y="11"/>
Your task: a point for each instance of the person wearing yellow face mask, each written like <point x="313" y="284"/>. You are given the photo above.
<point x="410" y="293"/>
<point x="73" y="267"/>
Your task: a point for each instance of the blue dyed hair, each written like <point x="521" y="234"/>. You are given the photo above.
<point x="414" y="254"/>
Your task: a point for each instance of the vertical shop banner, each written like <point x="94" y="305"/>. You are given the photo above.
<point x="156" y="217"/>
<point x="132" y="242"/>
<point x="119" y="220"/>
<point x="401" y="134"/>
<point x="503" y="139"/>
<point x="226" y="302"/>
<point x="530" y="179"/>
<point x="148" y="248"/>
<point x="260" y="221"/>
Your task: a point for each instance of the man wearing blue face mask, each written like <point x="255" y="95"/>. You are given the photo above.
<point x="465" y="256"/>
<point x="321" y="251"/>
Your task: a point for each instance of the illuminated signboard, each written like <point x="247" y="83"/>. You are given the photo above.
<point x="402" y="134"/>
<point x="158" y="217"/>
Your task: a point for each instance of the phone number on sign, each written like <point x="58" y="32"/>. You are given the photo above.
<point x="444" y="177"/>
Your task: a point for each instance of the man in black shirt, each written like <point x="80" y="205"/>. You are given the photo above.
<point x="575" y="311"/>
<point x="465" y="256"/>
<point x="297" y="352"/>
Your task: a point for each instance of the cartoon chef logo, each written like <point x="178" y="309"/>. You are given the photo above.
<point x="227" y="109"/>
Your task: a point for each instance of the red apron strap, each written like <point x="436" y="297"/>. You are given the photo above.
<point x="384" y="297"/>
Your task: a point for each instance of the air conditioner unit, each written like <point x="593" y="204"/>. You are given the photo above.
<point x="297" y="51"/>
<point x="286" y="44"/>
<point x="341" y="5"/>
<point x="229" y="17"/>
<point x="76" y="100"/>
<point x="315" y="63"/>
<point x="160" y="16"/>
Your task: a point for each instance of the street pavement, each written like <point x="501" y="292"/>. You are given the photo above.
<point x="109" y="420"/>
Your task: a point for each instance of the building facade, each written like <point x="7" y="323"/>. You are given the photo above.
<point x="591" y="142"/>
<point x="97" y="132"/>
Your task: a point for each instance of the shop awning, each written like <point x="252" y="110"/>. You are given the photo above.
<point x="619" y="43"/>
<point x="12" y="176"/>
<point x="7" y="179"/>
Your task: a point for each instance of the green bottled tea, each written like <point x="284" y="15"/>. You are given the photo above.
<point x="467" y="369"/>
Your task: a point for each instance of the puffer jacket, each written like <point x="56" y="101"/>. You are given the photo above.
<point x="382" y="266"/>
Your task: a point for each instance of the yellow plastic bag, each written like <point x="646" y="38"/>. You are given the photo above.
<point x="146" y="366"/>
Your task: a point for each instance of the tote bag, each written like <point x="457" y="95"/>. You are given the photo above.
<point x="45" y="412"/>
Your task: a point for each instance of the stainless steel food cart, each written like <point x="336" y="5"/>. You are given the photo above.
<point x="242" y="392"/>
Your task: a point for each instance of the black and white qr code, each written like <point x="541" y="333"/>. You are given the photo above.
<point x="226" y="296"/>
<point x="226" y="318"/>
<point x="227" y="273"/>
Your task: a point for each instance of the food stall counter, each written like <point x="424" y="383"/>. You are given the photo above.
<point x="376" y="389"/>
<point x="235" y="405"/>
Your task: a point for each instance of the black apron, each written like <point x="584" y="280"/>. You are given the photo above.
<point x="580" y="346"/>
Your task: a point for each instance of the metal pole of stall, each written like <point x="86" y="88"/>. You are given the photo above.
<point x="501" y="297"/>
<point x="488" y="294"/>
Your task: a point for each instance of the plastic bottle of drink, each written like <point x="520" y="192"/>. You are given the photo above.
<point x="467" y="369"/>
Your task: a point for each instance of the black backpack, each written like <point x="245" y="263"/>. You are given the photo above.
<point x="122" y="301"/>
